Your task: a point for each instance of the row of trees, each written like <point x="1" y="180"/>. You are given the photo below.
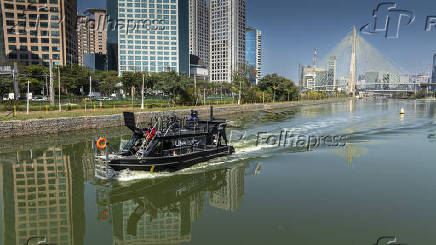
<point x="178" y="88"/>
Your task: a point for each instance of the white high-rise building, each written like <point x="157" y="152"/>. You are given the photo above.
<point x="227" y="38"/>
<point x="199" y="30"/>
<point x="148" y="35"/>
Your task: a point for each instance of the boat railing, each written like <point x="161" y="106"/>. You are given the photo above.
<point x="102" y="169"/>
<point x="178" y="151"/>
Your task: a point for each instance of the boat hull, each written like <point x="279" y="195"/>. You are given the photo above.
<point x="170" y="163"/>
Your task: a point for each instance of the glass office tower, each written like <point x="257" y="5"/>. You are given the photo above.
<point x="253" y="54"/>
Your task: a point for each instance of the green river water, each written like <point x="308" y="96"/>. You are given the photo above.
<point x="372" y="175"/>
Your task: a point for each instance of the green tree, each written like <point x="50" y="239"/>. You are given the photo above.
<point x="177" y="87"/>
<point x="5" y="86"/>
<point x="132" y="79"/>
<point x="106" y="81"/>
<point x="278" y="87"/>
<point x="36" y="75"/>
<point x="73" y="79"/>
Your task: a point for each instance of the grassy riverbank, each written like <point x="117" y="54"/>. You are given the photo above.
<point x="95" y="110"/>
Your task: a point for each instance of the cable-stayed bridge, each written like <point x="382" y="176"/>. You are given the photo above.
<point x="354" y="65"/>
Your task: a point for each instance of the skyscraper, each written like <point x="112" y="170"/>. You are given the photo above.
<point x="37" y="32"/>
<point x="199" y="30"/>
<point x="91" y="33"/>
<point x="227" y="38"/>
<point x="331" y="72"/>
<point x="148" y="35"/>
<point x="253" y="54"/>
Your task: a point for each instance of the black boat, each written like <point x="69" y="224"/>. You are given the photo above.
<point x="169" y="145"/>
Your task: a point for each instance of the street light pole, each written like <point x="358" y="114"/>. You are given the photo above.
<point x="239" y="97"/>
<point x="51" y="83"/>
<point x="90" y="86"/>
<point x="142" y="92"/>
<point x="28" y="95"/>
<point x="59" y="83"/>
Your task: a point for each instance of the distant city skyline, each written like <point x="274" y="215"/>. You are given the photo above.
<point x="291" y="30"/>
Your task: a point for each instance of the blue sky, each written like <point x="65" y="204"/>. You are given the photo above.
<point x="292" y="29"/>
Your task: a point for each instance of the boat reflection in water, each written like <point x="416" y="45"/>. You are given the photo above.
<point x="163" y="210"/>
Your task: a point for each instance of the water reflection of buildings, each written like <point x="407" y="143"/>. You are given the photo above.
<point x="167" y="225"/>
<point x="163" y="212"/>
<point x="351" y="152"/>
<point x="37" y="199"/>
<point x="229" y="196"/>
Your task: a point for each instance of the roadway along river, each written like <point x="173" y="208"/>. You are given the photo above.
<point x="350" y="172"/>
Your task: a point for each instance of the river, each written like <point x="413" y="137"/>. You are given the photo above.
<point x="340" y="173"/>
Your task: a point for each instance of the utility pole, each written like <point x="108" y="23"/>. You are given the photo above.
<point x="51" y="83"/>
<point x="132" y="91"/>
<point x="142" y="91"/>
<point x="239" y="96"/>
<point x="90" y="86"/>
<point x="28" y="95"/>
<point x="59" y="83"/>
<point x="46" y="86"/>
<point x="195" y="88"/>
<point x="15" y="78"/>
<point x="204" y="96"/>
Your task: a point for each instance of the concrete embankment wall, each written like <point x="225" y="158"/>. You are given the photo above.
<point x="57" y="125"/>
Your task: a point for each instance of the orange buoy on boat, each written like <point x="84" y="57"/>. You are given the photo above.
<point x="101" y="143"/>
